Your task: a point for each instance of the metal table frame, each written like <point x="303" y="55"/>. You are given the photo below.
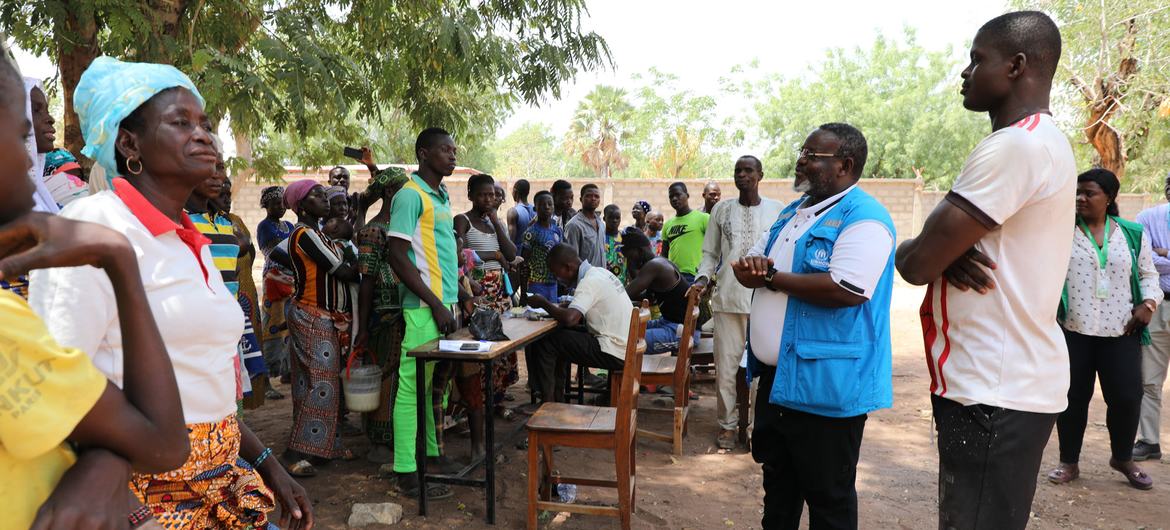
<point x="528" y="332"/>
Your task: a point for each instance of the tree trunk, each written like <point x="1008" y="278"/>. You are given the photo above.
<point x="244" y="151"/>
<point x="1107" y="143"/>
<point x="1104" y="100"/>
<point x="74" y="54"/>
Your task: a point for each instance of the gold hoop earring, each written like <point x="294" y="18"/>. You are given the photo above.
<point x="131" y="170"/>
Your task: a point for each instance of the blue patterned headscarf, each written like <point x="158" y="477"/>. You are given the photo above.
<point x="56" y="158"/>
<point x="108" y="91"/>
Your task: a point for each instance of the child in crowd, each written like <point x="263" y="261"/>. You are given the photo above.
<point x="614" y="261"/>
<point x="654" y="222"/>
<point x="542" y="235"/>
<point x="64" y="178"/>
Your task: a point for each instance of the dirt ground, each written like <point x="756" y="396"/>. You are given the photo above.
<point x="705" y="489"/>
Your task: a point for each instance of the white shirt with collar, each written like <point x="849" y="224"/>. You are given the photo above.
<point x="859" y="258"/>
<point x="198" y="317"/>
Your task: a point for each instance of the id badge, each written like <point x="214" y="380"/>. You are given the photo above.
<point x="1102" y="291"/>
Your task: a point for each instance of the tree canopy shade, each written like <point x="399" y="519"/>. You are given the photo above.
<point x="312" y="66"/>
<point x="1115" y="75"/>
<point x="904" y="98"/>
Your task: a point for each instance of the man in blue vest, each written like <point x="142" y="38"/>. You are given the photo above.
<point x="819" y="333"/>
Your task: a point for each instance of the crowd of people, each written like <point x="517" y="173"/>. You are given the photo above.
<point x="141" y="319"/>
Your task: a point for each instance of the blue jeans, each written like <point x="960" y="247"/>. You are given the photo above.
<point x="662" y="336"/>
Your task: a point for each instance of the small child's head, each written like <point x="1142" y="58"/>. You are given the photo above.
<point x="654" y="221"/>
<point x="338" y="202"/>
<point x="543" y="204"/>
<point x="338" y="228"/>
<point x="501" y="195"/>
<point x="613" y="218"/>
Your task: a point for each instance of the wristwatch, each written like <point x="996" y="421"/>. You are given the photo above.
<point x="768" y="278"/>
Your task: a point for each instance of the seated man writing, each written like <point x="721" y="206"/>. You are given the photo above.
<point x="600" y="302"/>
<point x="658" y="279"/>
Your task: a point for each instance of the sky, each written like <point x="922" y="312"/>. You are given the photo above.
<point x="700" y="41"/>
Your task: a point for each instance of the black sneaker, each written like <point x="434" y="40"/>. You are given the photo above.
<point x="1143" y="451"/>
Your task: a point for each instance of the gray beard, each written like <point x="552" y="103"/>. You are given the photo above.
<point x="803" y="187"/>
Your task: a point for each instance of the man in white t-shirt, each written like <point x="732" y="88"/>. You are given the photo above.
<point x="600" y="303"/>
<point x="994" y="255"/>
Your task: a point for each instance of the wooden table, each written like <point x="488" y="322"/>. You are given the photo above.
<point x="522" y="332"/>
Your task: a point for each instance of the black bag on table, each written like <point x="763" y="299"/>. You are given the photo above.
<point x="486" y="325"/>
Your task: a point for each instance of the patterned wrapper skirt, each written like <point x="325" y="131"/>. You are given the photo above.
<point x="385" y="344"/>
<point x="505" y="371"/>
<point x="277" y="292"/>
<point x="316" y="358"/>
<point x="215" y="489"/>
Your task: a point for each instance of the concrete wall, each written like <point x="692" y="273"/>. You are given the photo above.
<point x="908" y="202"/>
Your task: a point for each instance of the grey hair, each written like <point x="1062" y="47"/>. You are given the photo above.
<point x="852" y="144"/>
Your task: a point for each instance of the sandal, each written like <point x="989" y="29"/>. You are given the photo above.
<point x="301" y="469"/>
<point x="1137" y="478"/>
<point x="434" y="491"/>
<point x="1064" y="473"/>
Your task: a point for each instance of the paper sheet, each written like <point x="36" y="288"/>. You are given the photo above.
<point x="458" y="346"/>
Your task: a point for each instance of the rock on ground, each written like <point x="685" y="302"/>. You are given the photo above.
<point x="380" y="513"/>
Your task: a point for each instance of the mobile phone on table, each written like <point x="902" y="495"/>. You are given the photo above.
<point x="469" y="346"/>
<point x="354" y="153"/>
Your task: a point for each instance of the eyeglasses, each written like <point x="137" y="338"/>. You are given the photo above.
<point x="805" y="154"/>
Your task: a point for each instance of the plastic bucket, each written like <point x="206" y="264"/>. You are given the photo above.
<point x="362" y="387"/>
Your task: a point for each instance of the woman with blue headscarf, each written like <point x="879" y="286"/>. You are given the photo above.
<point x="145" y="126"/>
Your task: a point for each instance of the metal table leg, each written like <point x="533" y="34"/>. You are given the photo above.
<point x="420" y="456"/>
<point x="581" y="384"/>
<point x="490" y="443"/>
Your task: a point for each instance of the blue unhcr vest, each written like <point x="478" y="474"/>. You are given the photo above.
<point x="833" y="362"/>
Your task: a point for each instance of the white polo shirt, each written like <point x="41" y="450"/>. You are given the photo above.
<point x="1004" y="348"/>
<point x="860" y="255"/>
<point x="199" y="319"/>
<point x="602" y="299"/>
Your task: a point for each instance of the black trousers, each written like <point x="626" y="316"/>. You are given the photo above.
<point x="552" y="355"/>
<point x="807" y="459"/>
<point x="988" y="459"/>
<point x="1117" y="362"/>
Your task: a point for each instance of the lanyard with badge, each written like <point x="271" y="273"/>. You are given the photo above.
<point x="1102" y="289"/>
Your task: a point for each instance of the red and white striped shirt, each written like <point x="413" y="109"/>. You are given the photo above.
<point x="1004" y="348"/>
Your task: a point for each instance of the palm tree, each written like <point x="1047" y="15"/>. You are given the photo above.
<point x="599" y="126"/>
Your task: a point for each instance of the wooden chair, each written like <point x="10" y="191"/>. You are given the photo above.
<point x="583" y="426"/>
<point x="675" y="371"/>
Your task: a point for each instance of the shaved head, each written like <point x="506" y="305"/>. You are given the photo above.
<point x="1031" y="33"/>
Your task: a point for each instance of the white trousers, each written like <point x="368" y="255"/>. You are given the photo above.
<point x="730" y="336"/>
<point x="1154" y="361"/>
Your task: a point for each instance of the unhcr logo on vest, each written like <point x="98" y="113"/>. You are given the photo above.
<point x="820" y="259"/>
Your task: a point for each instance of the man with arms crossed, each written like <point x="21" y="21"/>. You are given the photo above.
<point x="992" y="253"/>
